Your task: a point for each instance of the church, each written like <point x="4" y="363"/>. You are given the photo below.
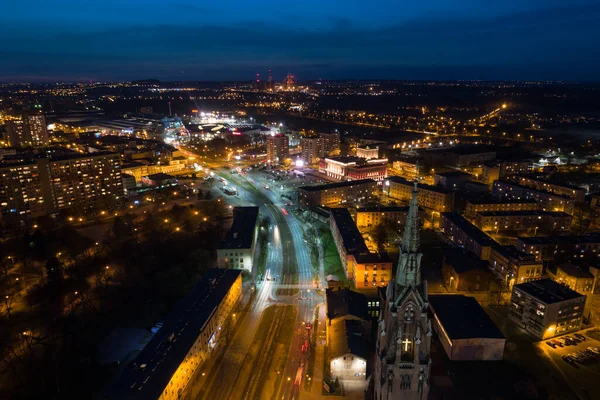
<point x="402" y="361"/>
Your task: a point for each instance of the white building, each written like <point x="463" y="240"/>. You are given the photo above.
<point x="237" y="249"/>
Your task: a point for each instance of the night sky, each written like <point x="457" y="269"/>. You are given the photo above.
<point x="47" y="40"/>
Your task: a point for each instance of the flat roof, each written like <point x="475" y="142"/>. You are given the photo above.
<point x="383" y="209"/>
<point x="471" y="230"/>
<point x="550" y="182"/>
<point x="161" y="176"/>
<point x="336" y="185"/>
<point x="517" y="185"/>
<point x="462" y="260"/>
<point x="449" y="174"/>
<point x="402" y="181"/>
<point x="346" y="302"/>
<point x="147" y="376"/>
<point x="351" y="236"/>
<point x="591" y="238"/>
<point x="465" y="149"/>
<point x="241" y="233"/>
<point x="573" y="270"/>
<point x="494" y="200"/>
<point x="512" y="252"/>
<point x="345" y="159"/>
<point x="463" y="318"/>
<point x="346" y="338"/>
<point x="548" y="291"/>
<point x="523" y="213"/>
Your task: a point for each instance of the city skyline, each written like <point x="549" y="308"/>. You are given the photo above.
<point x="439" y="40"/>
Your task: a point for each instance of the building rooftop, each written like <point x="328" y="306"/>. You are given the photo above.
<point x="346" y="338"/>
<point x="494" y="200"/>
<point x="575" y="240"/>
<point x="548" y="291"/>
<point x="351" y="236"/>
<point x="452" y="174"/>
<point x="512" y="253"/>
<point x="161" y="176"/>
<point x="383" y="209"/>
<point x="336" y="185"/>
<point x="465" y="149"/>
<point x="463" y="318"/>
<point x="346" y="159"/>
<point x="346" y="302"/>
<point x="462" y="260"/>
<point x="575" y="271"/>
<point x="241" y="233"/>
<point x="531" y="189"/>
<point x="523" y="213"/>
<point x="147" y="376"/>
<point x="421" y="186"/>
<point x="551" y="182"/>
<point x="471" y="230"/>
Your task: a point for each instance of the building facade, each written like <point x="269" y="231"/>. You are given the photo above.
<point x="313" y="149"/>
<point x="463" y="271"/>
<point x="402" y="367"/>
<point x="545" y="309"/>
<point x="576" y="278"/>
<point x="545" y="221"/>
<point x="185" y="342"/>
<point x="466" y="235"/>
<point x="510" y="265"/>
<point x="368" y="270"/>
<point x="472" y="207"/>
<point x="548" y="248"/>
<point x="237" y="249"/>
<point x="367" y="152"/>
<point x="277" y="149"/>
<point x="353" y="168"/>
<point x="431" y="197"/>
<point x="573" y="192"/>
<point x="503" y="189"/>
<point x="337" y="194"/>
<point x="368" y="217"/>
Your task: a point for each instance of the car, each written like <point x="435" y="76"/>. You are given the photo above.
<point x="580" y="336"/>
<point x="549" y="343"/>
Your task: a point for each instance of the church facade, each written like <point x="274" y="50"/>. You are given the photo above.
<point x="402" y="360"/>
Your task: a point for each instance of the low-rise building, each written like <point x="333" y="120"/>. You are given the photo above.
<point x="353" y="168"/>
<point x="573" y="192"/>
<point x="545" y="308"/>
<point x="510" y="265"/>
<point x="474" y="206"/>
<point x="337" y="194"/>
<point x="367" y="152"/>
<point x="465" y="330"/>
<point x="159" y="180"/>
<point x="503" y="189"/>
<point x="576" y="278"/>
<point x="545" y="221"/>
<point x="548" y="248"/>
<point x="185" y="342"/>
<point x="366" y="269"/>
<point x="463" y="271"/>
<point x="367" y="217"/>
<point x="466" y="235"/>
<point x="238" y="247"/>
<point x="451" y="179"/>
<point x="460" y="156"/>
<point x="431" y="197"/>
<point x="408" y="166"/>
<point x="348" y="329"/>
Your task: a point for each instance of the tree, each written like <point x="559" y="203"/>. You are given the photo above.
<point x="380" y="236"/>
<point x="54" y="271"/>
<point x="208" y="196"/>
<point x="200" y="194"/>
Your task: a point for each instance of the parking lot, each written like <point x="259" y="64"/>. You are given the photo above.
<point x="577" y="356"/>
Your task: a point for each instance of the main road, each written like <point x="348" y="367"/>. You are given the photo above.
<point x="289" y="260"/>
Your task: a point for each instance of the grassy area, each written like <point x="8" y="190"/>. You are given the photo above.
<point x="331" y="259"/>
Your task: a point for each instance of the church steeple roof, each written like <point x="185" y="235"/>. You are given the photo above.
<point x="409" y="265"/>
<point x="410" y="239"/>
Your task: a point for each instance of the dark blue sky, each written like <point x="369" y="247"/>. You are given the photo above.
<point x="46" y="40"/>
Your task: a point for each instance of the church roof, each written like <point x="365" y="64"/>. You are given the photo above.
<point x="462" y="317"/>
<point x="347" y="338"/>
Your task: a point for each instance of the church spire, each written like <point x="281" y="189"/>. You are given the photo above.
<point x="409" y="264"/>
<point x="410" y="240"/>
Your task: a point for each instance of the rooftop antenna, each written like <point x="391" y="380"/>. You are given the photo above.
<point x="170" y="113"/>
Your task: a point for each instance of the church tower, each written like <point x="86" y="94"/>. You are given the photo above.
<point x="402" y="360"/>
